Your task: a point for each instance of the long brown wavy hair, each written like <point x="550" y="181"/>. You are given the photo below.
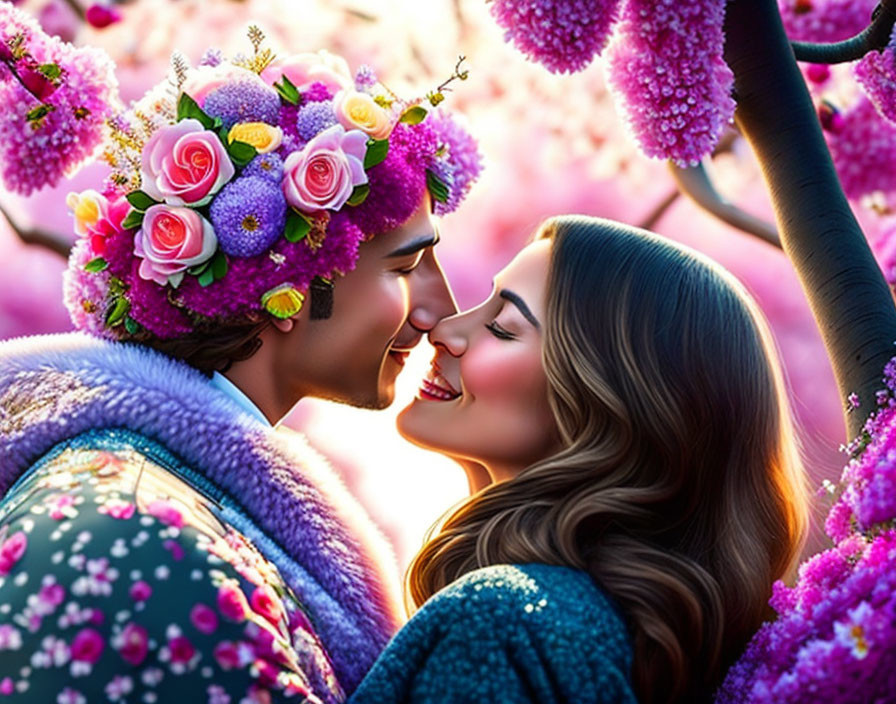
<point x="679" y="487"/>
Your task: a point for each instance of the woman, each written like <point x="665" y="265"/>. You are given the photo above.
<point x="623" y="395"/>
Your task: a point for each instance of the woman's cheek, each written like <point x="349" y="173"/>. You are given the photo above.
<point x="503" y="371"/>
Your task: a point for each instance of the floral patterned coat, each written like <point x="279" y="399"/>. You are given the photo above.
<point x="158" y="544"/>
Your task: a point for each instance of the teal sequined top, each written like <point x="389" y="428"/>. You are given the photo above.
<point x="508" y="633"/>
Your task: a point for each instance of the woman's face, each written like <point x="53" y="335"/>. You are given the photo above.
<point x="485" y="397"/>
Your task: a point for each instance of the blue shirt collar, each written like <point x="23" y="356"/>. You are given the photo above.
<point x="224" y="385"/>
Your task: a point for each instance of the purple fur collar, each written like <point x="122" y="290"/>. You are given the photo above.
<point x="55" y="387"/>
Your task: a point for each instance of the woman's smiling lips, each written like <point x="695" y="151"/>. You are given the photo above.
<point x="436" y="387"/>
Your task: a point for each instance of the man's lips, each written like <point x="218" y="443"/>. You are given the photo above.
<point x="436" y="387"/>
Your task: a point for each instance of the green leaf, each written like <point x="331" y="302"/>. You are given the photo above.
<point x="140" y="200"/>
<point x="187" y="108"/>
<point x="96" y="264"/>
<point x="288" y="91"/>
<point x="116" y="313"/>
<point x="359" y="195"/>
<point x="133" y="220"/>
<point x="50" y="71"/>
<point x="207" y="277"/>
<point x="132" y="326"/>
<point x="37" y="114"/>
<point x="219" y="265"/>
<point x="413" y="115"/>
<point x="199" y="268"/>
<point x="437" y="187"/>
<point x="241" y="153"/>
<point x="377" y="150"/>
<point x="297" y="226"/>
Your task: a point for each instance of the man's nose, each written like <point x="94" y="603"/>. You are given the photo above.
<point x="431" y="296"/>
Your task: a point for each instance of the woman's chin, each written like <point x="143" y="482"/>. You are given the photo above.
<point x="416" y="425"/>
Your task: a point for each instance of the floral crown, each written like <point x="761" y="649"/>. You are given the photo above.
<point x="238" y="185"/>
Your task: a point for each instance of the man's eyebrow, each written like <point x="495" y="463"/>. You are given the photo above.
<point x="521" y="305"/>
<point x="415" y="245"/>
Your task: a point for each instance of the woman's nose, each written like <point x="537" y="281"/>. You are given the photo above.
<point x="450" y="334"/>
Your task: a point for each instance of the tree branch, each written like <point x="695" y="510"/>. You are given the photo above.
<point x="653" y="217"/>
<point x="874" y="37"/>
<point x="40" y="238"/>
<point x="850" y="300"/>
<point x="695" y="183"/>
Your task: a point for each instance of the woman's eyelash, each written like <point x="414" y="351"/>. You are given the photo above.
<point x="499" y="332"/>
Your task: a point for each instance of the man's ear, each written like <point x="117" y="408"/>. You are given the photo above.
<point x="284" y="325"/>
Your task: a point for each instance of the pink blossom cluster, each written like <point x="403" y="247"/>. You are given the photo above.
<point x="863" y="147"/>
<point x="834" y="636"/>
<point x="667" y="71"/>
<point x="562" y="36"/>
<point x="876" y="73"/>
<point x="825" y="20"/>
<point x="665" y="62"/>
<point x="35" y="153"/>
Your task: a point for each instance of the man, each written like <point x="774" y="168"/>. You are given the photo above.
<point x="271" y="239"/>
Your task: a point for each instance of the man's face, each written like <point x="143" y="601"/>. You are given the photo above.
<point x="396" y="293"/>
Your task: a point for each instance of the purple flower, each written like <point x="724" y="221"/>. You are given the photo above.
<point x="268" y="166"/>
<point x="248" y="216"/>
<point x="314" y="118"/>
<point x="317" y="93"/>
<point x="667" y="70"/>
<point x="211" y="57"/>
<point x="562" y="35"/>
<point x="34" y="154"/>
<point x="460" y="162"/>
<point x="365" y="77"/>
<point x="243" y="101"/>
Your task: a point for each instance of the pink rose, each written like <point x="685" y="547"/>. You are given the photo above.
<point x="323" y="174"/>
<point x="204" y="619"/>
<point x="171" y="240"/>
<point x="87" y="646"/>
<point x="184" y="164"/>
<point x="304" y="69"/>
<point x="134" y="644"/>
<point x="265" y="602"/>
<point x="203" y="80"/>
<point x="11" y="551"/>
<point x="232" y="602"/>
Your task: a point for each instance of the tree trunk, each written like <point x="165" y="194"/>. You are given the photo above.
<point x="849" y="298"/>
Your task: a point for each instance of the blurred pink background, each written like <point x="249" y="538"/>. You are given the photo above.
<point x="552" y="145"/>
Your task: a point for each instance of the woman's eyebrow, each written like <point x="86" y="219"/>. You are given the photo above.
<point x="521" y="305"/>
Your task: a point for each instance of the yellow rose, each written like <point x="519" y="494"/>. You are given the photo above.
<point x="356" y="110"/>
<point x="87" y="207"/>
<point x="260" y="135"/>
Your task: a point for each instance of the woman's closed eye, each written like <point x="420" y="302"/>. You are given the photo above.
<point x="501" y="333"/>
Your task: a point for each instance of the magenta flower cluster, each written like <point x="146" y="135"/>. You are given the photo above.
<point x="876" y="73"/>
<point x="562" y="35"/>
<point x="35" y="153"/>
<point x="665" y="62"/>
<point x="667" y="70"/>
<point x="825" y="20"/>
<point x="834" y="639"/>
<point x="863" y="148"/>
